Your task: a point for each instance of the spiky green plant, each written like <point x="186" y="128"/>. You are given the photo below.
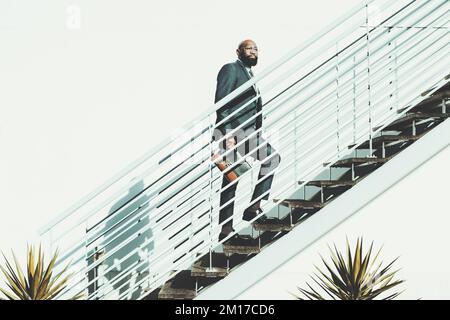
<point x="356" y="278"/>
<point x="39" y="282"/>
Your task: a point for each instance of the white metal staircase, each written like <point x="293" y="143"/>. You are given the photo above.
<point x="351" y="98"/>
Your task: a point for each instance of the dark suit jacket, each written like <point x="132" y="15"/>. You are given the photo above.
<point x="231" y="77"/>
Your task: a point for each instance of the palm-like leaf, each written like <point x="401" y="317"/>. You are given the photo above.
<point x="39" y="282"/>
<point x="354" y="278"/>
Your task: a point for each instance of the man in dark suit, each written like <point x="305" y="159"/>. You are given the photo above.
<point x="231" y="77"/>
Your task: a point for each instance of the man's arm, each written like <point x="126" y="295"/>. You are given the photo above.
<point x="226" y="80"/>
<point x="259" y="117"/>
<point x="226" y="83"/>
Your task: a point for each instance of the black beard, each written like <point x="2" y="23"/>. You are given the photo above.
<point x="249" y="62"/>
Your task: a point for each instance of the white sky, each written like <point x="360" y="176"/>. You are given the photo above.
<point x="80" y="102"/>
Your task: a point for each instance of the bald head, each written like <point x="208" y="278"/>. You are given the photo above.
<point x="247" y="52"/>
<point x="246" y="43"/>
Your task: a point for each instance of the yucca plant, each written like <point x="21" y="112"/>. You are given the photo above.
<point x="356" y="278"/>
<point x="39" y="282"/>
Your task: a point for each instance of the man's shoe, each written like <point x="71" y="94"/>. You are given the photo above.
<point x="223" y="235"/>
<point x="262" y="219"/>
<point x="251" y="214"/>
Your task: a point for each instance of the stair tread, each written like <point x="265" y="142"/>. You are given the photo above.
<point x="414" y="116"/>
<point x="241" y="244"/>
<point x="435" y="104"/>
<point x="387" y="138"/>
<point x="329" y="183"/>
<point x="296" y="203"/>
<point x="181" y="287"/>
<point x="176" y="293"/>
<point x="206" y="271"/>
<point x="272" y="224"/>
<point x="423" y="115"/>
<point x="355" y="160"/>
<point x="201" y="267"/>
<point x="434" y="100"/>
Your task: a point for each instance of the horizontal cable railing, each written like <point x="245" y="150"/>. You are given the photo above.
<point x="161" y="214"/>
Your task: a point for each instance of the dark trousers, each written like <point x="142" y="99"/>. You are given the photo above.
<point x="267" y="165"/>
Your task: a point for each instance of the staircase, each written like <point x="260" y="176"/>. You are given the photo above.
<point x="337" y="108"/>
<point x="393" y="139"/>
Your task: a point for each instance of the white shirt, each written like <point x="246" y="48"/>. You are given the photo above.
<point x="250" y="75"/>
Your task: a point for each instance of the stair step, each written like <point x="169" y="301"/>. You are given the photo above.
<point x="330" y="183"/>
<point x="181" y="287"/>
<point x="419" y="115"/>
<point x="241" y="244"/>
<point x="272" y="224"/>
<point x="432" y="102"/>
<point x="378" y="141"/>
<point x="295" y="203"/>
<point x="207" y="272"/>
<point x="347" y="163"/>
<point x="409" y="117"/>
<point x="219" y="269"/>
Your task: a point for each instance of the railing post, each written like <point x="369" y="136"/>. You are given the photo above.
<point x="354" y="100"/>
<point x="396" y="76"/>
<point x="391" y="71"/>
<point x="393" y="75"/>
<point x="211" y="234"/>
<point x="296" y="147"/>
<point x="368" y="80"/>
<point x="94" y="270"/>
<point x="337" y="102"/>
<point x="191" y="213"/>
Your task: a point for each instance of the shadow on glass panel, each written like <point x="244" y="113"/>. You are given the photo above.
<point x="125" y="248"/>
